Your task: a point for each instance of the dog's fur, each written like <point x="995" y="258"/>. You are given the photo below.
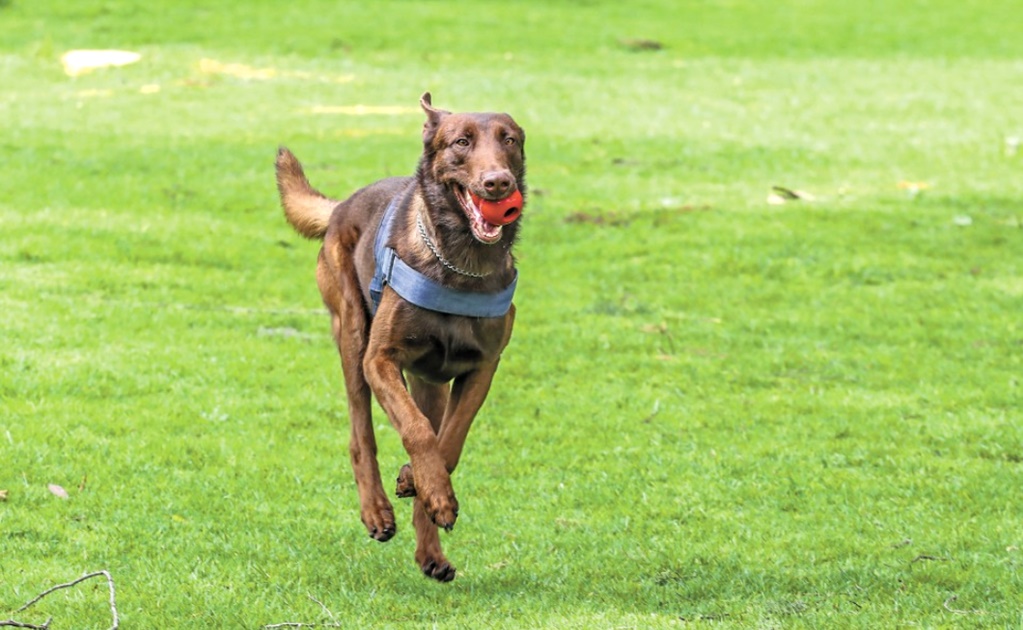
<point x="429" y="371"/>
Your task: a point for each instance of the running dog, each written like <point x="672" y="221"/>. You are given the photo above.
<point x="418" y="276"/>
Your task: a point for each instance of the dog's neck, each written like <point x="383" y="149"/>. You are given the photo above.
<point x="428" y="240"/>
<point x="446" y="251"/>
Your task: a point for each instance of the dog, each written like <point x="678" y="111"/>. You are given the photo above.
<point x="418" y="282"/>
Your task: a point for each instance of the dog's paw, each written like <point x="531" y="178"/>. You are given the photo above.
<point x="434" y="492"/>
<point x="406" y="483"/>
<point x="442" y="510"/>
<point x="438" y="568"/>
<point x="379" y="522"/>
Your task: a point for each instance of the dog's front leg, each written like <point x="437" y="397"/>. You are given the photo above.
<point x="467" y="396"/>
<point x="433" y="485"/>
<point x="385" y="355"/>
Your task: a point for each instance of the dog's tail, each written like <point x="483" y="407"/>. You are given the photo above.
<point x="307" y="210"/>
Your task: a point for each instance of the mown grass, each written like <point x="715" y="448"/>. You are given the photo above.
<point x="714" y="411"/>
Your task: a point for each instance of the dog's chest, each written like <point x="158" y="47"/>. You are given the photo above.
<point x="446" y="353"/>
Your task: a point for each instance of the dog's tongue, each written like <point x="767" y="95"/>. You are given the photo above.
<point x="502" y="211"/>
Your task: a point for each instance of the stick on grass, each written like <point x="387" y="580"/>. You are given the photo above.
<point x="113" y="605"/>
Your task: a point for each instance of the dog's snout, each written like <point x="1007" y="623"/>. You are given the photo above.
<point x="499" y="184"/>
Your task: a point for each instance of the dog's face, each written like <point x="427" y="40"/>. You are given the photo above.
<point x="474" y="155"/>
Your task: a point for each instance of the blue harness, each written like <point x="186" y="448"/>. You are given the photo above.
<point x="424" y="292"/>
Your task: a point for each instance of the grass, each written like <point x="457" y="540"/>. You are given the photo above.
<point x="714" y="411"/>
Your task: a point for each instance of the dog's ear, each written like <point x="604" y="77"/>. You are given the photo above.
<point x="433" y="117"/>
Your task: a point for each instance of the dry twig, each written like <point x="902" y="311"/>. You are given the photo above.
<point x="957" y="611"/>
<point x="113" y="605"/>
<point x="298" y="624"/>
<point x="17" y="624"/>
<point x="653" y="414"/>
<point x="325" y="609"/>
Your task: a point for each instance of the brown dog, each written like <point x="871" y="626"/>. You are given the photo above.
<point x="445" y="352"/>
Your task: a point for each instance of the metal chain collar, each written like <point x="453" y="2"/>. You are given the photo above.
<point x="436" y="252"/>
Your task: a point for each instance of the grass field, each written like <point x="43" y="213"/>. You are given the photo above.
<point x="715" y="411"/>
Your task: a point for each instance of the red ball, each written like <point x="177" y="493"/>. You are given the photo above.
<point x="501" y="212"/>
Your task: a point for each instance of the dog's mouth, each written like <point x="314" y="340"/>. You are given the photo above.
<point x="484" y="231"/>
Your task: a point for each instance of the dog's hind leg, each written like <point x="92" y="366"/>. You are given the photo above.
<point x="429" y="554"/>
<point x="350" y="325"/>
<point x="432" y="400"/>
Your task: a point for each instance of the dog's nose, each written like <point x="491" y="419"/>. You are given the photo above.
<point x="499" y="184"/>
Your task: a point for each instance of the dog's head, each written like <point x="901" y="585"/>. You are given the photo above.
<point x="471" y="160"/>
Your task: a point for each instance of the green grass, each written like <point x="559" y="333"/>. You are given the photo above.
<point x="714" y="411"/>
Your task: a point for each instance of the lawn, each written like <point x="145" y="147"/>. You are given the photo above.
<point x="722" y="406"/>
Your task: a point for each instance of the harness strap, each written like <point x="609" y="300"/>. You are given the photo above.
<point x="422" y="291"/>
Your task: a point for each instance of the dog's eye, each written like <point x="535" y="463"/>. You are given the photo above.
<point x="462" y="142"/>
<point x="510" y="141"/>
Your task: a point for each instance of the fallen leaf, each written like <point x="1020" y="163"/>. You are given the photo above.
<point x="3" y="495"/>
<point x="790" y="194"/>
<point x="638" y="44"/>
<point x="913" y="188"/>
<point x="57" y="490"/>
<point x="238" y="70"/>
<point x="78" y="62"/>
